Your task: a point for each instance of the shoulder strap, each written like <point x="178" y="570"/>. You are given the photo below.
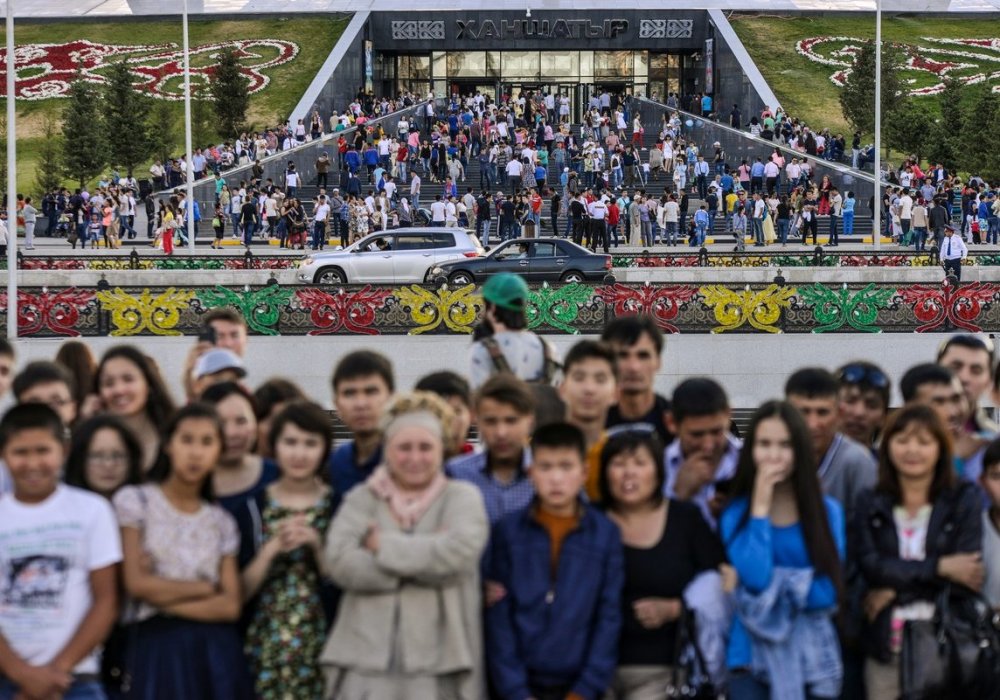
<point x="552" y="365"/>
<point x="500" y="363"/>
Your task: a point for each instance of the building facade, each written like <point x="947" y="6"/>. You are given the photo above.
<point x="572" y="53"/>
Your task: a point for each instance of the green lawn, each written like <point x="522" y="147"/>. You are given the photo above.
<point x="804" y="86"/>
<point x="315" y="37"/>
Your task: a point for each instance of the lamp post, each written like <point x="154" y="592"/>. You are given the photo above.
<point x="11" y="180"/>
<point x="877" y="199"/>
<point x="188" y="151"/>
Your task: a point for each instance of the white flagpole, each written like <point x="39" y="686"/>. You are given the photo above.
<point x="877" y="200"/>
<point x="11" y="180"/>
<point x="189" y="152"/>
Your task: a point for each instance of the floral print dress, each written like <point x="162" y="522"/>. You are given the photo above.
<point x="288" y="629"/>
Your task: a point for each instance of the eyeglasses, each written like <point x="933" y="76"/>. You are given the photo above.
<point x="862" y="374"/>
<point x="107" y="457"/>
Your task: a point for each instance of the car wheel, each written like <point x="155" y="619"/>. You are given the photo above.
<point x="461" y="278"/>
<point x="330" y="275"/>
<point x="572" y="276"/>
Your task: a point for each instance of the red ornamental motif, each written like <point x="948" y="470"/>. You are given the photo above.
<point x="46" y="70"/>
<point x="662" y="302"/>
<point x="354" y="311"/>
<point x="873" y="261"/>
<point x="261" y="263"/>
<point x="957" y="306"/>
<point x="667" y="261"/>
<point x="57" y="312"/>
<point x="51" y="264"/>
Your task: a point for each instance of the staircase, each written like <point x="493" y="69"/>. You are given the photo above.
<point x="654" y="187"/>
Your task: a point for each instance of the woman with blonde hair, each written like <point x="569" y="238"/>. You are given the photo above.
<point x="405" y="549"/>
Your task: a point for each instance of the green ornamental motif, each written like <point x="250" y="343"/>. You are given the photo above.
<point x="795" y="261"/>
<point x="835" y="306"/>
<point x="557" y="306"/>
<point x="189" y="264"/>
<point x="260" y="307"/>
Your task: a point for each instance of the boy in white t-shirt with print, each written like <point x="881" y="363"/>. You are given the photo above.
<point x="59" y="547"/>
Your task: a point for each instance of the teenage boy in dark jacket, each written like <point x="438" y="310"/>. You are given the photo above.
<point x="554" y="634"/>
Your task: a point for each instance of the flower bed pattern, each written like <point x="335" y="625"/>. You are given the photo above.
<point x="971" y="61"/>
<point x="45" y="71"/>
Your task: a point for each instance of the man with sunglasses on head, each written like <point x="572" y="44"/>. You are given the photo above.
<point x="863" y="401"/>
<point x="970" y="358"/>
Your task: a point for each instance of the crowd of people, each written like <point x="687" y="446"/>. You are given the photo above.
<point x="528" y="156"/>
<point x="600" y="540"/>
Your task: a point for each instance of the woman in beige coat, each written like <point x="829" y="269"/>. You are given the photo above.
<point x="405" y="548"/>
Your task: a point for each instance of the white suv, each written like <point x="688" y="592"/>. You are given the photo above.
<point x="397" y="256"/>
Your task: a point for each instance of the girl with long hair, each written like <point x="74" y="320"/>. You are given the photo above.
<point x="129" y="386"/>
<point x="786" y="542"/>
<point x="179" y="564"/>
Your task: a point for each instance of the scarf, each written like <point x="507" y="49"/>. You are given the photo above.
<point x="406" y="508"/>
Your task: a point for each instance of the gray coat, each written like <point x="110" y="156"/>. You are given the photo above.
<point x="414" y="607"/>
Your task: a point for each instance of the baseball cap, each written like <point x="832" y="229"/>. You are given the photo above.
<point x="506" y="290"/>
<point x="217" y="360"/>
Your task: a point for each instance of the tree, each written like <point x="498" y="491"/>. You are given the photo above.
<point x="944" y="142"/>
<point x="907" y="126"/>
<point x="202" y="126"/>
<point x="48" y="173"/>
<point x="857" y="99"/>
<point x="126" y="113"/>
<point x="230" y="93"/>
<point x="978" y="154"/>
<point x="161" y="124"/>
<point x="84" y="142"/>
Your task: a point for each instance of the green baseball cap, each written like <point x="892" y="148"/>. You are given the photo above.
<point x="506" y="290"/>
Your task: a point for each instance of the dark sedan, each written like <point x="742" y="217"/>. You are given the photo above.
<point x="535" y="259"/>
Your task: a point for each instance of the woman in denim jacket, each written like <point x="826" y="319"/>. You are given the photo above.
<point x="786" y="542"/>
<point x="918" y="530"/>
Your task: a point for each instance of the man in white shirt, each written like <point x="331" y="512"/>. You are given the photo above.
<point x="438" y="211"/>
<point x="514" y="175"/>
<point x="389" y="188"/>
<point x="598" y="211"/>
<point x="793" y="172"/>
<point x="953" y="252"/>
<point x="320" y="215"/>
<point x="450" y="213"/>
<point x="415" y="191"/>
<point x="291" y="181"/>
<point x="905" y="211"/>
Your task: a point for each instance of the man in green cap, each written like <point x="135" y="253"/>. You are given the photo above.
<point x="503" y="343"/>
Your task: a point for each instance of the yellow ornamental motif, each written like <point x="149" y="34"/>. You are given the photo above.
<point x="157" y="314"/>
<point x="735" y="308"/>
<point x="456" y="308"/>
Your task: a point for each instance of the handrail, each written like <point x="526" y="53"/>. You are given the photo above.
<point x="300" y="147"/>
<point x="840" y="167"/>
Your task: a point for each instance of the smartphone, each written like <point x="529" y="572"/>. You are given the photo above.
<point x="207" y="335"/>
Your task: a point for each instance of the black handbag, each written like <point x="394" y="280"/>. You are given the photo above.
<point x="954" y="654"/>
<point x="689" y="673"/>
